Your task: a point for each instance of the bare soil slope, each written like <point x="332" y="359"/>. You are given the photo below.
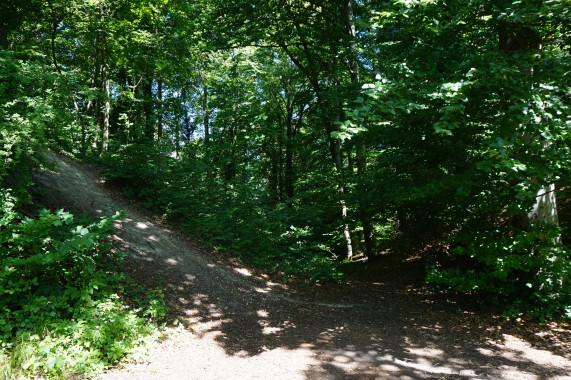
<point x="243" y="326"/>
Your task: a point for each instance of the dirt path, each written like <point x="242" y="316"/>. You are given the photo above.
<point x="246" y="327"/>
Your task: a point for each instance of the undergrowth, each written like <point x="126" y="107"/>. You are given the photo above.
<point x="236" y="218"/>
<point x="66" y="310"/>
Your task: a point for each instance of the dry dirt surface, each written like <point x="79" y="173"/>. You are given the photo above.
<point x="244" y="326"/>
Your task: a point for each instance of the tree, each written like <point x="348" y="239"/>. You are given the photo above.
<point x="485" y="125"/>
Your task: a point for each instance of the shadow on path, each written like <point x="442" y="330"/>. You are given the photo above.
<point x="389" y="330"/>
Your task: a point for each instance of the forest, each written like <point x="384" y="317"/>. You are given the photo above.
<point x="302" y="137"/>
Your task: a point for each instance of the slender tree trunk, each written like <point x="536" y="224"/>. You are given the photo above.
<point x="160" y="111"/>
<point x="368" y="231"/>
<point x="119" y="112"/>
<point x="231" y="134"/>
<point x="94" y="70"/>
<point x="176" y="139"/>
<point x="341" y="189"/>
<point x="272" y="150"/>
<point x="92" y="107"/>
<point x="279" y="166"/>
<point x="514" y="38"/>
<point x="132" y="133"/>
<point x="354" y="59"/>
<point x="148" y="107"/>
<point x="106" y="87"/>
<point x="206" y="115"/>
<point x="335" y="147"/>
<point x="106" y="107"/>
<point x="289" y="175"/>
<point x="206" y="123"/>
<point x="186" y="118"/>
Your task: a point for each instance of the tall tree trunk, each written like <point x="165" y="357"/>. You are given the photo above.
<point x="92" y="107"/>
<point x="514" y="38"/>
<point x="106" y="86"/>
<point x="132" y="133"/>
<point x="206" y="122"/>
<point x="106" y="106"/>
<point x="186" y="132"/>
<point x="289" y="180"/>
<point x="279" y="167"/>
<point x="368" y="231"/>
<point x="273" y="151"/>
<point x="338" y="159"/>
<point x="176" y="139"/>
<point x="147" y="88"/>
<point x="94" y="71"/>
<point x="206" y="115"/>
<point x="119" y="122"/>
<point x="159" y="111"/>
<point x="231" y="135"/>
<point x="335" y="146"/>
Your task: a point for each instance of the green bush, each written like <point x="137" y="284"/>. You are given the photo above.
<point x="500" y="262"/>
<point x="62" y="308"/>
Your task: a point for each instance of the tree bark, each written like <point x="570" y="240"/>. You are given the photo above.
<point x="106" y="85"/>
<point x="187" y="128"/>
<point x="279" y="164"/>
<point x="160" y="111"/>
<point x="206" y="122"/>
<point x="368" y="231"/>
<point x="513" y="38"/>
<point x="289" y="180"/>
<point x="231" y="134"/>
<point x="148" y="107"/>
<point x="206" y="115"/>
<point x="273" y="150"/>
<point x="106" y="105"/>
<point x="341" y="189"/>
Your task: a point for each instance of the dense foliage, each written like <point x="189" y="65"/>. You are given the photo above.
<point x="475" y="127"/>
<point x="298" y="134"/>
<point x="61" y="306"/>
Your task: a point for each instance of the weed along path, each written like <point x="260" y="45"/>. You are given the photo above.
<point x="241" y="325"/>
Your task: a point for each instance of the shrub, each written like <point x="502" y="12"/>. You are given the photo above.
<point x="61" y="297"/>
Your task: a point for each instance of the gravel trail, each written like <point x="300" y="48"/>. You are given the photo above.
<point x="243" y="326"/>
